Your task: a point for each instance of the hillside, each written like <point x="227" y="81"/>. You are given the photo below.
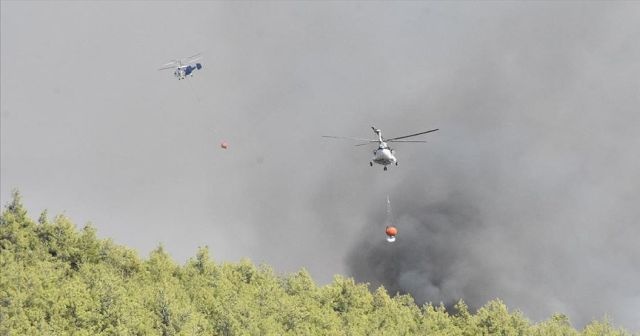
<point x="58" y="280"/>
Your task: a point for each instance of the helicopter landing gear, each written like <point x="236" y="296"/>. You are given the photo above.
<point x="385" y="168"/>
<point x="371" y="164"/>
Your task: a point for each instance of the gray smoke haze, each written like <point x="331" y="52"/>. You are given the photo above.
<point x="533" y="193"/>
<point x="530" y="192"/>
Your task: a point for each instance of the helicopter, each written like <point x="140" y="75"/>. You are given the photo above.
<point x="183" y="67"/>
<point x="383" y="155"/>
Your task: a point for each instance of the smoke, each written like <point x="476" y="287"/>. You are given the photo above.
<point x="529" y="192"/>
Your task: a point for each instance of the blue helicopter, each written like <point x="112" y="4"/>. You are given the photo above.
<point x="184" y="67"/>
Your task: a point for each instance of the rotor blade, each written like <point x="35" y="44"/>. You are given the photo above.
<point x="406" y="141"/>
<point x="366" y="143"/>
<point x="169" y="65"/>
<point x="193" y="58"/>
<point x="191" y="61"/>
<point x="179" y="62"/>
<point x="412" y="135"/>
<point x="348" y="138"/>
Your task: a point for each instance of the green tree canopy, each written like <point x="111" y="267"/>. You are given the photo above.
<point x="57" y="279"/>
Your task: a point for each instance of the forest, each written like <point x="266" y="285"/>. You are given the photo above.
<point x="57" y="279"/>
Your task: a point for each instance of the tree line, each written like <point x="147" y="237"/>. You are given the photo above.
<point x="59" y="280"/>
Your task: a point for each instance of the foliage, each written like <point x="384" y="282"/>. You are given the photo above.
<point x="58" y="280"/>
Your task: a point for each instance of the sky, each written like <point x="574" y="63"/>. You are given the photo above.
<point x="529" y="192"/>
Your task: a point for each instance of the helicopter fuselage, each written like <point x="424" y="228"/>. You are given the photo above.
<point x="383" y="155"/>
<point x="184" y="71"/>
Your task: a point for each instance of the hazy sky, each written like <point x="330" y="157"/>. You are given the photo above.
<point x="530" y="192"/>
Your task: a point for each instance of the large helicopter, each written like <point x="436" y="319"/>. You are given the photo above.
<point x="383" y="155"/>
<point x="183" y="67"/>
